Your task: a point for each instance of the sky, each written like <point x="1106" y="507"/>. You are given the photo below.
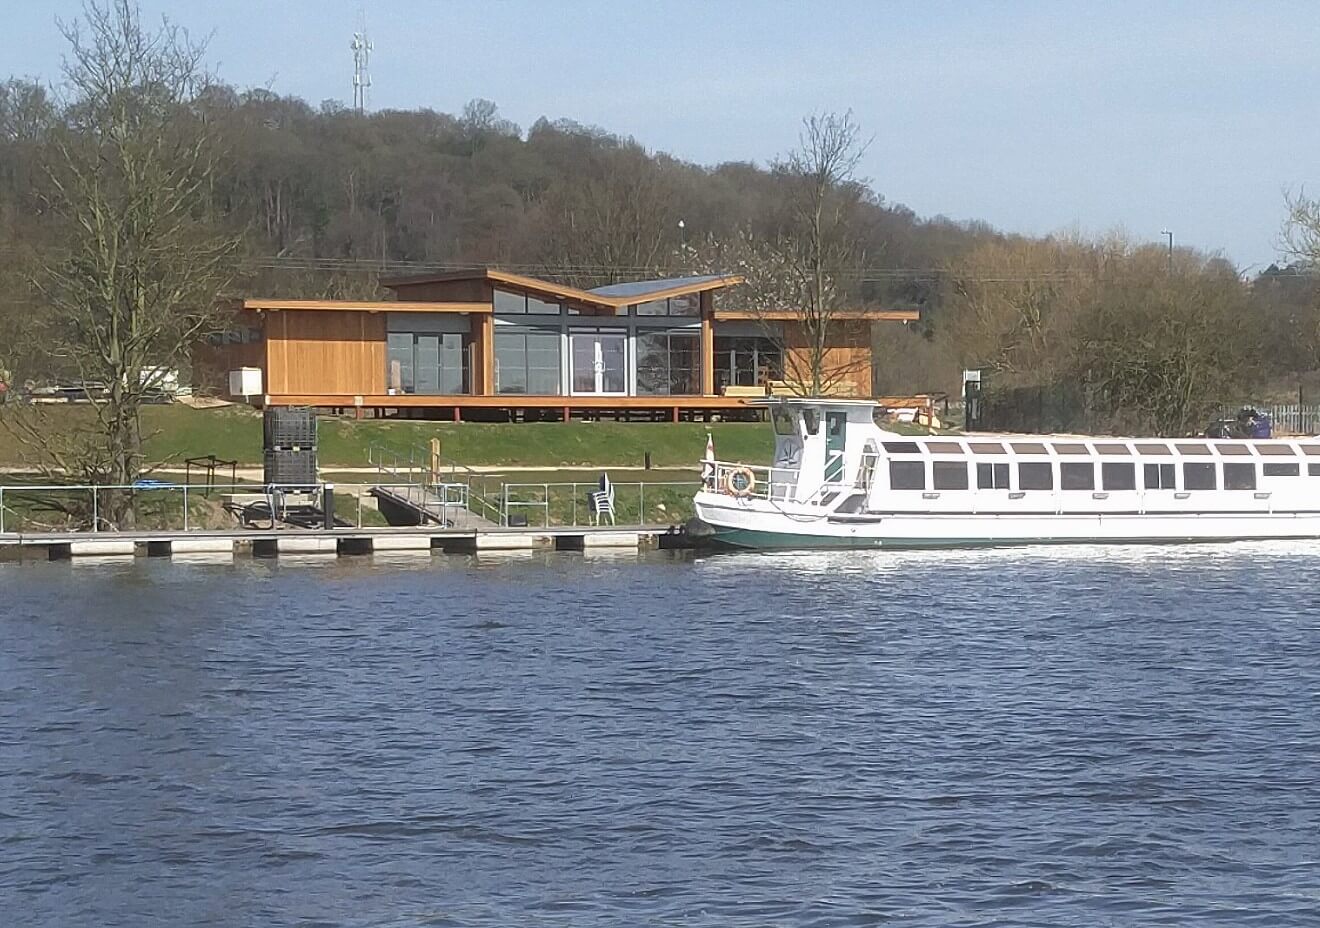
<point x="1036" y="117"/>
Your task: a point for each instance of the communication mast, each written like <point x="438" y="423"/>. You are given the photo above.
<point x="361" y="66"/>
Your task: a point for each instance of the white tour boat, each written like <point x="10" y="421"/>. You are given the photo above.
<point x="840" y="480"/>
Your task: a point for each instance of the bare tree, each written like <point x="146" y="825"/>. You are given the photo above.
<point x="141" y="263"/>
<point x="816" y="243"/>
<point x="614" y="224"/>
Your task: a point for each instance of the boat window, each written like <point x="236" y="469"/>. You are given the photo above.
<point x="811" y="418"/>
<point x="1239" y="476"/>
<point x="1028" y="447"/>
<point x="1076" y="476"/>
<point x="783" y="422"/>
<point x="1151" y="448"/>
<point x="1035" y="476"/>
<point x="1112" y="448"/>
<point x="1122" y="475"/>
<point x="1273" y="469"/>
<point x="907" y="475"/>
<point x="1192" y="447"/>
<point x="992" y="476"/>
<point x="986" y="447"/>
<point x="949" y="475"/>
<point x="1199" y="475"/>
<point x="1233" y="450"/>
<point x="1313" y="470"/>
<point x="1311" y="450"/>
<point x="1276" y="450"/>
<point x="1159" y="476"/>
<point x="944" y="447"/>
<point x="1060" y="448"/>
<point x="902" y="447"/>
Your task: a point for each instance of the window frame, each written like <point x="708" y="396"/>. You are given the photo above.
<point x="909" y="467"/>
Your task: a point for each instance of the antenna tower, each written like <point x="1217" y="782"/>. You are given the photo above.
<point x="361" y="70"/>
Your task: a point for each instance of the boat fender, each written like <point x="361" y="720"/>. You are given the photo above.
<point x="740" y="482"/>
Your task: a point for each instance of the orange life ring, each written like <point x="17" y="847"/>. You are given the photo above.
<point x="739" y="481"/>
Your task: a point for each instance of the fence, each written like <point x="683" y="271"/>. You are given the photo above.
<point x="1294" y="418"/>
<point x="162" y="506"/>
<point x="565" y="504"/>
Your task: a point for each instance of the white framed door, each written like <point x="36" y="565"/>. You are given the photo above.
<point x="599" y="363"/>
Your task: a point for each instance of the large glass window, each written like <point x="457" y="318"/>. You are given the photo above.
<point x="746" y="361"/>
<point x="541" y="307"/>
<point x="949" y="475"/>
<point x="1035" y="476"/>
<point x="907" y="475"/>
<point x="527" y="362"/>
<point x="506" y="302"/>
<point x="429" y="363"/>
<point x="689" y="305"/>
<point x="1076" y="476"/>
<point x="1119" y="475"/>
<point x="1198" y="475"/>
<point x="668" y="363"/>
<point x="1239" y="476"/>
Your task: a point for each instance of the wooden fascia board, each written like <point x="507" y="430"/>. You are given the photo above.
<point x="368" y="306"/>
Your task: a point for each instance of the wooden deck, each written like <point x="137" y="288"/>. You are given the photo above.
<point x="512" y="407"/>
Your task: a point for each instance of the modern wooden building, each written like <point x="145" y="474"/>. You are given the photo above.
<point x="489" y="344"/>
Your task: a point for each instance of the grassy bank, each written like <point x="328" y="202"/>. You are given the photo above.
<point x="177" y="432"/>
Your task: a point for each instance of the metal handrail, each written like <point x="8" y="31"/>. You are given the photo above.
<point x="401" y="464"/>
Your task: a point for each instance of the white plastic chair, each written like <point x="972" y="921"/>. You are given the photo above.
<point x="602" y="500"/>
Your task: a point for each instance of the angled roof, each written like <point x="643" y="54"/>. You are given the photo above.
<point x="614" y="296"/>
<point x="642" y="290"/>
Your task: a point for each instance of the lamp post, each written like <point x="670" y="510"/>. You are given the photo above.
<point x="1170" y="235"/>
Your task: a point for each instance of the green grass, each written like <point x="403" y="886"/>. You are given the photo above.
<point x="177" y="432"/>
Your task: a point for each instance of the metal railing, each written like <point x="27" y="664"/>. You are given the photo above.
<point x="551" y="504"/>
<point x="420" y="466"/>
<point x="162" y="506"/>
<point x="154" y="504"/>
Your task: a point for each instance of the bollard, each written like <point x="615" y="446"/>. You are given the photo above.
<point x="648" y="461"/>
<point x="328" y="505"/>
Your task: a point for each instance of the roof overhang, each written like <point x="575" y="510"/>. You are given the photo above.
<point x="365" y="306"/>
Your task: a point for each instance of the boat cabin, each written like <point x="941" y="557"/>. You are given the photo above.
<point x="831" y="453"/>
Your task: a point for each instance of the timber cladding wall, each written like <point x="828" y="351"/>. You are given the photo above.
<point x="325" y="352"/>
<point x="847" y="363"/>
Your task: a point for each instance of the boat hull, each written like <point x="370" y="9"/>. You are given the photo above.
<point x="754" y="524"/>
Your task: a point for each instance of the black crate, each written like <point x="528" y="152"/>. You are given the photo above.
<point x="289" y="427"/>
<point x="291" y="468"/>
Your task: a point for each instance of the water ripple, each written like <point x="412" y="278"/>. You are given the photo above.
<point x="1108" y="736"/>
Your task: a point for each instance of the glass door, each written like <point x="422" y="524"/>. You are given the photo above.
<point x="600" y="363"/>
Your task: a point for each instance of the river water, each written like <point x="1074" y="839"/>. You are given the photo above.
<point x="1082" y="737"/>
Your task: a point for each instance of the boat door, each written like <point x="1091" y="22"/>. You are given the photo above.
<point x="599" y="363"/>
<point x="836" y="431"/>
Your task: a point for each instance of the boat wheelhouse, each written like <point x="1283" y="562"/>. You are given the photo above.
<point x="840" y="480"/>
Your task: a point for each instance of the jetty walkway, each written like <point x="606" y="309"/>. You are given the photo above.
<point x="338" y="541"/>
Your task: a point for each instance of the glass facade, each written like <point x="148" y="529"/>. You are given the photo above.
<point x="674" y="306"/>
<point x="527" y="361"/>
<point x="746" y="361"/>
<point x="668" y="363"/>
<point x="429" y="363"/>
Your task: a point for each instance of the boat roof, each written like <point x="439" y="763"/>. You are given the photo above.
<point x="810" y="401"/>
